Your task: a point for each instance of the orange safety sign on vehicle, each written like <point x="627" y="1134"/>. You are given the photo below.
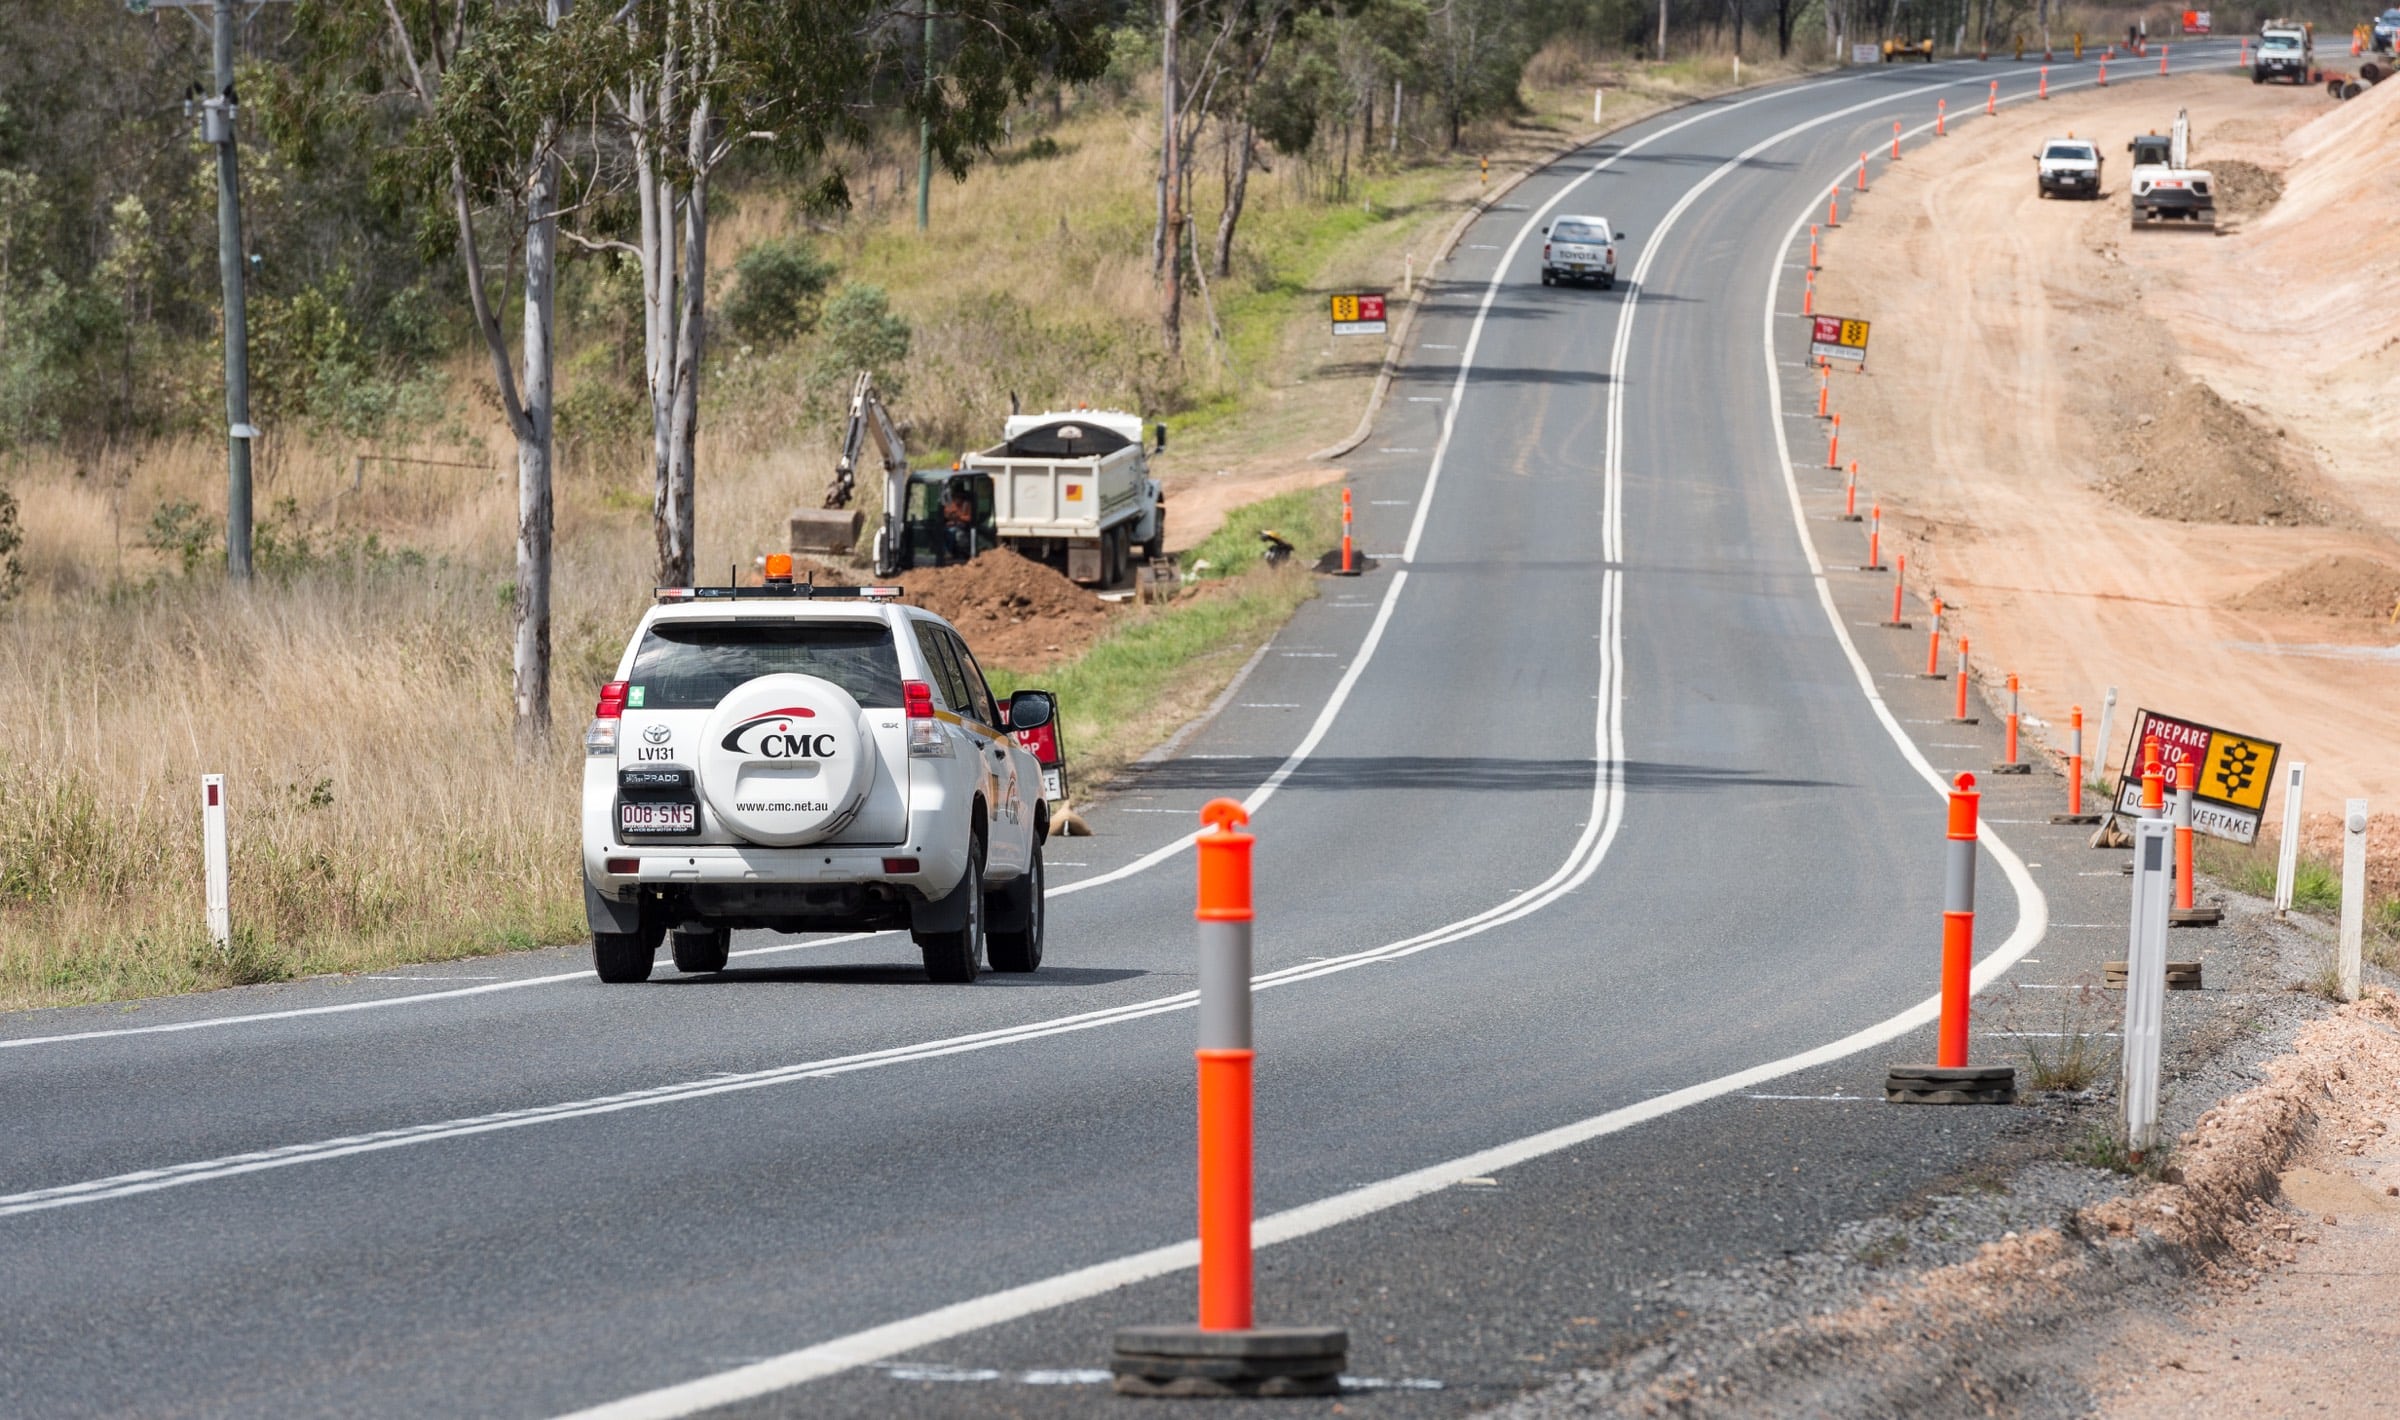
<point x="2232" y="773"/>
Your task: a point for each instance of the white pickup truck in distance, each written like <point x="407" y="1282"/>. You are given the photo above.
<point x="804" y="760"/>
<point x="2067" y="167"/>
<point x="2284" y="52"/>
<point x="1580" y="249"/>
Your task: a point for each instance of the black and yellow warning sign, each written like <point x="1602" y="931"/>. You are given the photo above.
<point x="2231" y="773"/>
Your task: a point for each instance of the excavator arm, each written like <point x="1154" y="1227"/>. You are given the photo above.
<point x="833" y="530"/>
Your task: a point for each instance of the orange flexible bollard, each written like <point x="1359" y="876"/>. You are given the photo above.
<point x="2104" y="71"/>
<point x="1960" y="715"/>
<point x="1958" y="926"/>
<point x="1808" y="293"/>
<point x="1933" y="644"/>
<point x="1991" y="101"/>
<point x="1850" y="495"/>
<point x="2012" y="764"/>
<point x="1833" y="445"/>
<point x="1875" y="541"/>
<point x="1349" y="567"/>
<point x="2184" y="784"/>
<point x="1899" y="592"/>
<point x="2162" y="59"/>
<point x="2045" y="92"/>
<point x="1225" y="1057"/>
<point x="1941" y="118"/>
<point x="1825" y="393"/>
<point x="1833" y="208"/>
<point x="1813" y="263"/>
<point x="1862" y="172"/>
<point x="2075" y="763"/>
<point x="1895" y="140"/>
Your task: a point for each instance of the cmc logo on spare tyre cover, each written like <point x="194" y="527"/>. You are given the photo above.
<point x="784" y="761"/>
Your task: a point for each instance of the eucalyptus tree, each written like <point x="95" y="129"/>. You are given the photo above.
<point x="694" y="83"/>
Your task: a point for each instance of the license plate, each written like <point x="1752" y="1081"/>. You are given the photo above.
<point x="1054" y="784"/>
<point x="658" y="818"/>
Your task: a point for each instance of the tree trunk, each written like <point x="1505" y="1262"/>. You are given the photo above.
<point x="1395" y="121"/>
<point x="1235" y="195"/>
<point x="1170" y="310"/>
<point x="1366" y="122"/>
<point x="532" y="658"/>
<point x="1783" y="28"/>
<point x="1662" y="31"/>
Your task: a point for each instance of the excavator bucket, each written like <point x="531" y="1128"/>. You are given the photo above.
<point x="823" y="531"/>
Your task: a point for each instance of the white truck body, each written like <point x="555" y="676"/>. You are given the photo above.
<point x="1073" y="481"/>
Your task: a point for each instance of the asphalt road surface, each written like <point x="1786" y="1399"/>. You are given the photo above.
<point x="1570" y="811"/>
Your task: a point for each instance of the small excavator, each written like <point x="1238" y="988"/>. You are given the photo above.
<point x="918" y="527"/>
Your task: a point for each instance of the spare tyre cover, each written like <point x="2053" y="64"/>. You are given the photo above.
<point x="786" y="760"/>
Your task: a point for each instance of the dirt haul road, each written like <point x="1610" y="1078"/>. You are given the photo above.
<point x="2150" y="459"/>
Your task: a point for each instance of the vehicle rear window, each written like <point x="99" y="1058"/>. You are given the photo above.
<point x="2069" y="151"/>
<point x="691" y="665"/>
<point x="1577" y="232"/>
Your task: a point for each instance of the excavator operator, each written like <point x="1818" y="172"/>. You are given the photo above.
<point x="958" y="521"/>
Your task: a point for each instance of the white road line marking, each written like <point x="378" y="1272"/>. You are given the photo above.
<point x="1399" y="451"/>
<point x="1847" y="1099"/>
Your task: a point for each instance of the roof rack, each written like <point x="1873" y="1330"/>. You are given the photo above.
<point x="800" y="591"/>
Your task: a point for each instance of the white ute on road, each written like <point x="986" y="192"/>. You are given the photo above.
<point x="1580" y="249"/>
<point x="803" y="760"/>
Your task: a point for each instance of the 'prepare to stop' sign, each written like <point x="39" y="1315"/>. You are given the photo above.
<point x="1358" y="313"/>
<point x="1837" y="338"/>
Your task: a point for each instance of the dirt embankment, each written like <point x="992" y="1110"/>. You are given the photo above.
<point x="2153" y="459"/>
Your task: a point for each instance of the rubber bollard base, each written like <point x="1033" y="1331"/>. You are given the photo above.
<point x="1933" y="675"/>
<point x="2022" y="766"/>
<point x="1900" y="625"/>
<point x="2076" y="818"/>
<point x="1965" y="720"/>
<point x="1874" y="567"/>
<point x="2181" y="975"/>
<point x="1849" y="518"/>
<point x="2195" y="916"/>
<point x="1185" y="1361"/>
<point x="1962" y="1084"/>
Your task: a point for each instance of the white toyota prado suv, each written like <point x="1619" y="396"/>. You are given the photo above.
<point x="805" y="760"/>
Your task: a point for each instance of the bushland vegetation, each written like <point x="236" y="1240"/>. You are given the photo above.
<point x="364" y="690"/>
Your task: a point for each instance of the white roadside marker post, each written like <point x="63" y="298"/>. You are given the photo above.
<point x="2354" y="893"/>
<point x="2287" y="853"/>
<point x="212" y="840"/>
<point x="2145" y="983"/>
<point x="1596" y="105"/>
<point x="2108" y="718"/>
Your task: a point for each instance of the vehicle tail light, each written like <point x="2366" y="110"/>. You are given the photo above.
<point x="1545" y="251"/>
<point x="624" y="867"/>
<point x="1042" y="740"/>
<point x="601" y="737"/>
<point x="925" y="737"/>
<point x="896" y="866"/>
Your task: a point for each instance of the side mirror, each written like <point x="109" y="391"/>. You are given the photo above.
<point x="1161" y="446"/>
<point x="1624" y="236"/>
<point x="1030" y="710"/>
<point x="1546" y="232"/>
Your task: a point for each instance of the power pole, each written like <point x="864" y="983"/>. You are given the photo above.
<point x="217" y="111"/>
<point x="925" y="133"/>
<point x="1662" y="31"/>
<point x="217" y="126"/>
<point x="1171" y="298"/>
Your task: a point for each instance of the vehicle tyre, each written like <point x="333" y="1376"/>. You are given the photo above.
<point x="1549" y="279"/>
<point x="954" y="958"/>
<point x="699" y="953"/>
<point x="1608" y="283"/>
<point x="2255" y="78"/>
<point x="1156" y="547"/>
<point x="623" y="958"/>
<point x="1014" y="917"/>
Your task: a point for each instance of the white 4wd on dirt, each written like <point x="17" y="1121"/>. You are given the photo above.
<point x="808" y="760"/>
<point x="2067" y="165"/>
<point x="1580" y="249"/>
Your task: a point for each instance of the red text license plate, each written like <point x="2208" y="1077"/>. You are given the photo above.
<point x="658" y="818"/>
